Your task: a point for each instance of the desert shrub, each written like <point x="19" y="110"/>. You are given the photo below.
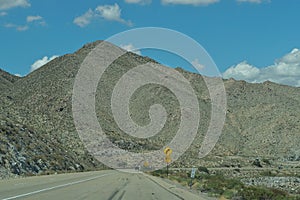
<point x="3" y="148"/>
<point x="203" y="169"/>
<point x="18" y="147"/>
<point x="257" y="163"/>
<point x="260" y="193"/>
<point x="218" y="184"/>
<point x="267" y="173"/>
<point x="266" y="161"/>
<point x="160" y="173"/>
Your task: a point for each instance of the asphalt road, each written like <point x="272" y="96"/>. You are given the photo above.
<point x="106" y="185"/>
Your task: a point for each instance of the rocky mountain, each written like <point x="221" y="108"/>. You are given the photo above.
<point x="38" y="135"/>
<point x="7" y="80"/>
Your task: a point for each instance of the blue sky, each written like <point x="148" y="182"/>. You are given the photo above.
<point x="253" y="40"/>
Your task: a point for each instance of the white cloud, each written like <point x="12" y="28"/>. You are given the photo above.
<point x="84" y="19"/>
<point x="7" y="4"/>
<point x="18" y="75"/>
<point x="197" y="65"/>
<point x="112" y="13"/>
<point x="243" y="71"/>
<point x="3" y="14"/>
<point x="40" y="20"/>
<point x="22" y="28"/>
<point x="190" y="2"/>
<point x="131" y="48"/>
<point x="292" y="57"/>
<point x="143" y="2"/>
<point x="29" y="19"/>
<point x="37" y="64"/>
<point x="107" y="12"/>
<point x="33" y="18"/>
<point x="285" y="70"/>
<point x="253" y="1"/>
<point x="17" y="27"/>
<point x="9" y="25"/>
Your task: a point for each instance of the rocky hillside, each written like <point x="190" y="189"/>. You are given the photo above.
<point x="27" y="150"/>
<point x="7" y="80"/>
<point x="37" y="132"/>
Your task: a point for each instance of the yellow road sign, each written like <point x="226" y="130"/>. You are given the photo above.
<point x="168" y="159"/>
<point x="168" y="151"/>
<point x="146" y="164"/>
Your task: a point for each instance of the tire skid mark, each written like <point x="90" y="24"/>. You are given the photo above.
<point x="114" y="194"/>
<point x="121" y="197"/>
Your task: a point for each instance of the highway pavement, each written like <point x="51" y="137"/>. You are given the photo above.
<point x="106" y="185"/>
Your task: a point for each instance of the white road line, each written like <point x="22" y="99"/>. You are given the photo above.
<point x="55" y="187"/>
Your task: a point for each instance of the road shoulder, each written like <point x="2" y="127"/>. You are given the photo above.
<point x="173" y="188"/>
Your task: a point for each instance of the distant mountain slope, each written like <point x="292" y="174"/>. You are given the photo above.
<point x="9" y="77"/>
<point x="262" y="119"/>
<point x="7" y="80"/>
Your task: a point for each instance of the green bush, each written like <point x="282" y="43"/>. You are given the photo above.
<point x="203" y="169"/>
<point x="257" y="163"/>
<point x="3" y="149"/>
<point x="218" y="184"/>
<point x="266" y="161"/>
<point x="259" y="193"/>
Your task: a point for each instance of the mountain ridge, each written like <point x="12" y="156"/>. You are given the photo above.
<point x="262" y="119"/>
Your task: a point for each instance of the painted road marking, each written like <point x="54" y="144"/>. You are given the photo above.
<point x="55" y="187"/>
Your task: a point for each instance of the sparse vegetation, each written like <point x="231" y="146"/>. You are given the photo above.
<point x="266" y="161"/>
<point x="203" y="169"/>
<point x="217" y="185"/>
<point x="257" y="163"/>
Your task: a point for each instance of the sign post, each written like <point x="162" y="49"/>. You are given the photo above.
<point x="168" y="159"/>
<point x="192" y="176"/>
